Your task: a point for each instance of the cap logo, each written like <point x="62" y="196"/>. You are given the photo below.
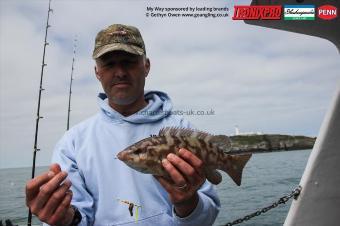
<point x="118" y="33"/>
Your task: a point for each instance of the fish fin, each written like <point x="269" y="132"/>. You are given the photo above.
<point x="178" y="131"/>
<point x="233" y="166"/>
<point x="222" y="142"/>
<point x="213" y="176"/>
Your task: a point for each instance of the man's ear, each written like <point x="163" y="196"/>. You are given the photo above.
<point x="147" y="66"/>
<point x="96" y="72"/>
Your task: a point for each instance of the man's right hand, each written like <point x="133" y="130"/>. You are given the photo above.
<point x="49" y="197"/>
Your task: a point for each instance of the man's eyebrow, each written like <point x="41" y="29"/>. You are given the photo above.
<point x="104" y="60"/>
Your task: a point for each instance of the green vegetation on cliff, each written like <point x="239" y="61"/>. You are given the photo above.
<point x="270" y="142"/>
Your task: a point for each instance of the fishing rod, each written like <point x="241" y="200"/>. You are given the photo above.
<point x="43" y="65"/>
<point x="70" y="91"/>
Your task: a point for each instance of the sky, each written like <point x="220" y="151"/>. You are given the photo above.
<point x="257" y="78"/>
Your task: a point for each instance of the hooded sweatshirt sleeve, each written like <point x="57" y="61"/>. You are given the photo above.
<point x="65" y="155"/>
<point x="208" y="204"/>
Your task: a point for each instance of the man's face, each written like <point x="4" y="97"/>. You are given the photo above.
<point x="122" y="76"/>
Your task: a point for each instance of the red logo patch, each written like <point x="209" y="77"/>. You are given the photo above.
<point x="263" y="12"/>
<point x="327" y="12"/>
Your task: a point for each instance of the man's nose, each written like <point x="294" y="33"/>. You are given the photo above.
<point x="120" y="71"/>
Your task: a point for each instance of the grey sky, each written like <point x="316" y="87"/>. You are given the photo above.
<point x="259" y="79"/>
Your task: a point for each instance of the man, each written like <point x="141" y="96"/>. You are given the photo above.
<point x="103" y="190"/>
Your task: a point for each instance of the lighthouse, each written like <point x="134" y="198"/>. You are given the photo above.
<point x="237" y="131"/>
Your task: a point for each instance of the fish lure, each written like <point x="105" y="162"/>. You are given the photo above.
<point x="131" y="207"/>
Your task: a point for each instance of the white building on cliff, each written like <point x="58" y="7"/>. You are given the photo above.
<point x="238" y="133"/>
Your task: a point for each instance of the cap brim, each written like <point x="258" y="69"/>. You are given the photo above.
<point x="117" y="47"/>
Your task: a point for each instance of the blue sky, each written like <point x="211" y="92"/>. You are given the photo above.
<point x="257" y="78"/>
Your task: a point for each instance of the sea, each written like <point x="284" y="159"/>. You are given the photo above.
<point x="266" y="178"/>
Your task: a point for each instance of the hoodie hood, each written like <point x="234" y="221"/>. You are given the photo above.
<point x="159" y="106"/>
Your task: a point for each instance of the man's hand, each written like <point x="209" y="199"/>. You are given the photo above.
<point x="186" y="172"/>
<point x="49" y="197"/>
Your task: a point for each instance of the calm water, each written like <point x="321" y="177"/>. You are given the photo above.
<point x="266" y="178"/>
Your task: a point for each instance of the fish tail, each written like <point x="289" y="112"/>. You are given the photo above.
<point x="233" y="165"/>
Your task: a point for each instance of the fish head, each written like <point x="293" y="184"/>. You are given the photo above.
<point x="136" y="157"/>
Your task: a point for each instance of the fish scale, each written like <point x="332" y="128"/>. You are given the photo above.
<point x="146" y="155"/>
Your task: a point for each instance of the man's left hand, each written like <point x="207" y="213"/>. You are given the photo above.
<point x="187" y="174"/>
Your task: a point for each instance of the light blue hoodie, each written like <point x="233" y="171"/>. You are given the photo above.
<point x="87" y="152"/>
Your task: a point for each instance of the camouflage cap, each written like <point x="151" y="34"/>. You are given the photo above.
<point x="119" y="37"/>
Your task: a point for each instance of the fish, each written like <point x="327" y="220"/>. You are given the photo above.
<point x="147" y="154"/>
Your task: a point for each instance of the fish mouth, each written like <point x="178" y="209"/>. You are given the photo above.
<point x="122" y="156"/>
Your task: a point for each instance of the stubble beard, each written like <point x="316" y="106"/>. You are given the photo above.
<point x="124" y="99"/>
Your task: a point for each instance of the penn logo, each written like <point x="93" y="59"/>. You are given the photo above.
<point x="327" y="12"/>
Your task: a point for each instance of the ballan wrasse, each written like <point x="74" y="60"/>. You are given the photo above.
<point x="146" y="155"/>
